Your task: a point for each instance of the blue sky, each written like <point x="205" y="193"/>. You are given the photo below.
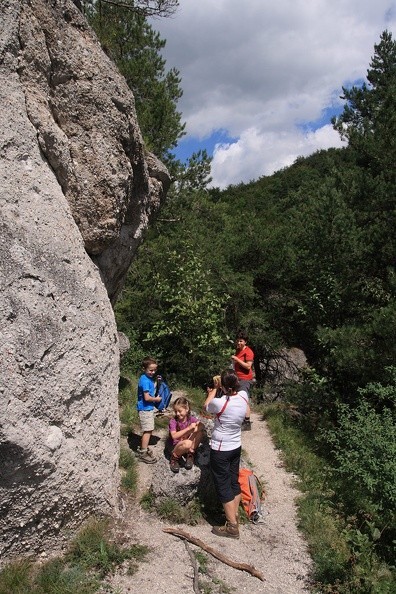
<point x="262" y="79"/>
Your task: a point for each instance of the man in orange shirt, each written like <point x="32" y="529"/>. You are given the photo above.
<point x="243" y="366"/>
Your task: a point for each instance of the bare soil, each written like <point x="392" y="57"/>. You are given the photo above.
<point x="275" y="547"/>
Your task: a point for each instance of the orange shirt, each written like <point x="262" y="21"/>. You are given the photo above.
<point x="246" y="354"/>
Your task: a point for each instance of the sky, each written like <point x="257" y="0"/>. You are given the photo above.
<point x="261" y="79"/>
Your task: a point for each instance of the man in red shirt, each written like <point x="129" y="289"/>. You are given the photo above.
<point x="243" y="365"/>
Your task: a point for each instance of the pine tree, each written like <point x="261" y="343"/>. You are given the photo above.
<point x="368" y="122"/>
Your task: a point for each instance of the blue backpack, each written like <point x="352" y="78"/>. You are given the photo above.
<point x="165" y="393"/>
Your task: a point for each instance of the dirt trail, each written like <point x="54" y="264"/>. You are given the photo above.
<point x="275" y="547"/>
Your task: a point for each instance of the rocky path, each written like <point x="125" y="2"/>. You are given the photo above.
<point x="275" y="547"/>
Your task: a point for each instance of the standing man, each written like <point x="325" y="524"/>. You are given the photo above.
<point x="243" y="365"/>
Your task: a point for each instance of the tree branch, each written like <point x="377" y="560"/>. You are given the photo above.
<point x="147" y="8"/>
<point x="196" y="541"/>
<point x="195" y="568"/>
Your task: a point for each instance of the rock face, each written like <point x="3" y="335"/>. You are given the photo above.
<point x="284" y="367"/>
<point x="76" y="193"/>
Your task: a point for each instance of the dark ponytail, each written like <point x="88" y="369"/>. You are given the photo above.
<point x="230" y="382"/>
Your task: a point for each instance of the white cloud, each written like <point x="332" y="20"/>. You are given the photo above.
<point x="257" y="153"/>
<point x="258" y="69"/>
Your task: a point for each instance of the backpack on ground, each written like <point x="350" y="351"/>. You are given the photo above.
<point x="165" y="393"/>
<point x="252" y="494"/>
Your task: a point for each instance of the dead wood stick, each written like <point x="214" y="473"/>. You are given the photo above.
<point x="242" y="566"/>
<point x="195" y="567"/>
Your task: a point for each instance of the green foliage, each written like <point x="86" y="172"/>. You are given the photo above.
<point x="189" y="334"/>
<point x="368" y="120"/>
<point x="170" y="509"/>
<point x="202" y="560"/>
<point x="127" y="396"/>
<point x="303" y="258"/>
<point x="130" y="475"/>
<point x="14" y="578"/>
<point x="93" y="549"/>
<point x="314" y="396"/>
<point x="147" y="501"/>
<point x="56" y="578"/>
<point x="364" y="450"/>
<point x="153" y="8"/>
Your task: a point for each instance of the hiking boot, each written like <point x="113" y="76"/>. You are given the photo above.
<point x="146" y="456"/>
<point x="246" y="425"/>
<point x="228" y="530"/>
<point x="174" y="464"/>
<point x="189" y="461"/>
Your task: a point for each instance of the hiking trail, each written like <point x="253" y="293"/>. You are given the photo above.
<point x="275" y="547"/>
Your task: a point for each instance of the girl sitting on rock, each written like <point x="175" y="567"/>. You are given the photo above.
<point x="186" y="433"/>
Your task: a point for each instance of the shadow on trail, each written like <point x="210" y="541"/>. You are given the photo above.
<point x="134" y="440"/>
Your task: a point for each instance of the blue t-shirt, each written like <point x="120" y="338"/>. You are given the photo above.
<point x="146" y="384"/>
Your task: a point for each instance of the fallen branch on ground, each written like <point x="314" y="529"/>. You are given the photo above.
<point x="196" y="541"/>
<point x="195" y="568"/>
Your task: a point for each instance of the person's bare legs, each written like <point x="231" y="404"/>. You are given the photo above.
<point x="196" y="440"/>
<point x="145" y="440"/>
<point x="231" y="509"/>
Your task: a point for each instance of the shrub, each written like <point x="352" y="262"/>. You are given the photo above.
<point x="364" y="453"/>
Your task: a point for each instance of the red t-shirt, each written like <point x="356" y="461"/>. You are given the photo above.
<point x="246" y="354"/>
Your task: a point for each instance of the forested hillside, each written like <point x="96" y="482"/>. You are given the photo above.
<point x="304" y="258"/>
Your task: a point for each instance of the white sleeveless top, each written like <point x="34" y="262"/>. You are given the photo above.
<point x="226" y="434"/>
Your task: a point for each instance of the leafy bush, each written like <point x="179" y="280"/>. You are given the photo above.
<point x="364" y="452"/>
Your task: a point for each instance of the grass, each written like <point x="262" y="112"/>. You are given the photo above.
<point x="345" y="561"/>
<point x="210" y="584"/>
<point x="129" y="471"/>
<point x="171" y="510"/>
<point x="92" y="555"/>
<point x="127" y="402"/>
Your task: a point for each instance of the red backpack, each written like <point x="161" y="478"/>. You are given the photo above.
<point x="252" y="494"/>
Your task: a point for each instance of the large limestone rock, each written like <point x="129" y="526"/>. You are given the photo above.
<point x="281" y="369"/>
<point x="76" y="193"/>
<point x="184" y="486"/>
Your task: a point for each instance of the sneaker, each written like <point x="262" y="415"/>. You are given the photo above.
<point x="189" y="461"/>
<point x="228" y="530"/>
<point x="174" y="464"/>
<point x="246" y="425"/>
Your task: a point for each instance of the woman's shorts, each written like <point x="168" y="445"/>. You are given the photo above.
<point x="225" y="471"/>
<point x="146" y="418"/>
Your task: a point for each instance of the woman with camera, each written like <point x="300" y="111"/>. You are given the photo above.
<point x="225" y="448"/>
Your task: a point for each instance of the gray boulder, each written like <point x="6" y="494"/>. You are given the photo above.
<point x="185" y="485"/>
<point x="76" y="192"/>
<point x="282" y="368"/>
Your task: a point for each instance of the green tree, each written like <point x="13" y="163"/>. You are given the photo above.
<point x="368" y="122"/>
<point x="190" y="334"/>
